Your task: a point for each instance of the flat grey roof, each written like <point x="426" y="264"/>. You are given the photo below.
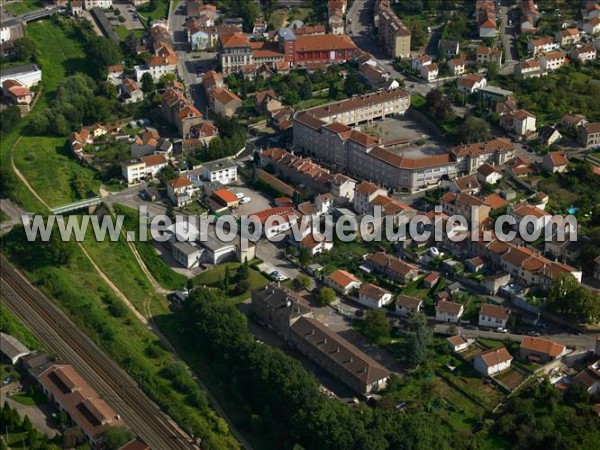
<point x="189" y="248"/>
<point x="19" y="69"/>
<point x="12" y="347"/>
<point x="219" y="165"/>
<point x="496" y="90"/>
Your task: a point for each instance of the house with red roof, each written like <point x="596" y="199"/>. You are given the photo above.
<point x="493" y="361"/>
<point x="343" y="281"/>
<point x="555" y="162"/>
<point x="180" y="191"/>
<point x="373" y="296"/>
<point x="535" y="349"/>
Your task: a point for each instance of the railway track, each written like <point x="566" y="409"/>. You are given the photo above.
<point x="61" y="337"/>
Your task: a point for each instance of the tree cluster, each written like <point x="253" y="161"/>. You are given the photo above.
<point x="75" y="104"/>
<point x="282" y="399"/>
<point x="567" y="296"/>
<point x="439" y="105"/>
<point x="541" y="417"/>
<point x="12" y="423"/>
<point x="232" y="138"/>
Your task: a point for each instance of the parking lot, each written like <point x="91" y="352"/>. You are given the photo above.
<point x="259" y="202"/>
<point x="132" y="22"/>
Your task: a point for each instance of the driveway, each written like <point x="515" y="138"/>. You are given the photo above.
<point x="40" y="416"/>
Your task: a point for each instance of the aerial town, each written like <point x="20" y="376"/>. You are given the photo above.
<point x="138" y="136"/>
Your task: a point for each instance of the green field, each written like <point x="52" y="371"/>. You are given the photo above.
<point x="160" y="12"/>
<point x="123" y="32"/>
<point x="50" y="171"/>
<point x="162" y="272"/>
<point x="9" y="324"/>
<point x="117" y="261"/>
<point x="18" y="8"/>
<point x="212" y="277"/>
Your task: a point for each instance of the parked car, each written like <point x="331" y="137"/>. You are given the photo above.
<point x="239" y="195"/>
<point x="277" y="276"/>
<point x="501" y="330"/>
<point x="245" y="200"/>
<point x="534" y="334"/>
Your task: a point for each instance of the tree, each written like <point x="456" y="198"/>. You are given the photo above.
<point x="439" y="105"/>
<point x="306" y="89"/>
<point x="73" y="437"/>
<point x="568" y="297"/>
<point x="492" y="72"/>
<point x="418" y="338"/>
<point x="352" y="85"/>
<point x="114" y="438"/>
<point x="333" y="91"/>
<point x="326" y="296"/>
<point x="474" y="129"/>
<point x="291" y="97"/>
<point x="9" y="118"/>
<point x="25" y="49"/>
<point x="304" y="256"/>
<point x="302" y="281"/>
<point x="148" y="83"/>
<point x="248" y="12"/>
<point x="129" y="45"/>
<point x="170" y="212"/>
<point x="376" y="325"/>
<point x="244" y="271"/>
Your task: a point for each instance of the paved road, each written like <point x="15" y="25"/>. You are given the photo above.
<point x="360" y="21"/>
<point x="61" y="337"/>
<point x="583" y="341"/>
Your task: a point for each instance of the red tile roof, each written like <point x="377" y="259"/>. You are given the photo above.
<point x="544" y="346"/>
<point x="495" y="356"/>
<point x="343" y="278"/>
<point x="180" y="182"/>
<point x="225" y="196"/>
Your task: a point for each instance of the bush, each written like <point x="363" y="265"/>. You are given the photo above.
<point x="121" y="19"/>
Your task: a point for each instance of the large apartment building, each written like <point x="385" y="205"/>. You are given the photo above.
<point x="291" y="317"/>
<point x="324" y="133"/>
<point x="235" y="52"/>
<point x="393" y="34"/>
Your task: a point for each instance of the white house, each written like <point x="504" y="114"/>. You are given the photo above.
<point x="493" y="316"/>
<point x="316" y="244"/>
<point x="180" y="191"/>
<point x="555" y="162"/>
<point x="552" y="60"/>
<point x="187" y="254"/>
<point x="324" y="203"/>
<point x="430" y="72"/>
<point x="471" y="83"/>
<point x="446" y="311"/>
<point x="519" y="122"/>
<point x="102" y="4"/>
<point x="542" y="45"/>
<point x="146" y="166"/>
<point x="567" y="37"/>
<point x="592" y="27"/>
<point x="224" y="171"/>
<point x="406" y="305"/>
<point x="492" y="361"/>
<point x="584" y="53"/>
<point x="343" y="281"/>
<point x="458" y="343"/>
<point x="418" y="62"/>
<point x="373" y="296"/>
<point x="488" y="174"/>
<point x="457" y="66"/>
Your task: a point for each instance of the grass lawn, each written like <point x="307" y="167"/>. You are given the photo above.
<point x="162" y="272"/>
<point x="18" y="8"/>
<point x="117" y="261"/>
<point x="9" y="324"/>
<point x="38" y="398"/>
<point x="50" y="175"/>
<point x="551" y="187"/>
<point x="123" y="32"/>
<point x="315" y="101"/>
<point x="212" y="277"/>
<point x="51" y="170"/>
<point x="417" y="100"/>
<point x="160" y="12"/>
